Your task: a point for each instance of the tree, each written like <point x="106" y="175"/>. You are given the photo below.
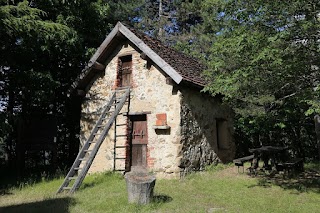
<point x="317" y="129"/>
<point x="264" y="58"/>
<point x="155" y="18"/>
<point x="44" y="45"/>
<point x="26" y="40"/>
<point x="170" y="21"/>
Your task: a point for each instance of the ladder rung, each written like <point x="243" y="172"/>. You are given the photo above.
<point x="97" y="134"/>
<point x="72" y="178"/>
<point x="77" y="168"/>
<point x="118" y="89"/>
<point x="120" y="170"/>
<point x="121" y="146"/>
<point x="121" y="125"/>
<point x="66" y="188"/>
<point x="88" y="150"/>
<point x="119" y="99"/>
<point x="121" y="135"/>
<point x="82" y="159"/>
<point x="120" y="158"/>
<point x="121" y="88"/>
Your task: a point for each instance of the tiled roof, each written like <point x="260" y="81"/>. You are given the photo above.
<point x="189" y="68"/>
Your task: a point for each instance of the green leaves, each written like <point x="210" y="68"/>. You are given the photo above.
<point x="263" y="57"/>
<point x="44" y="45"/>
<point x="253" y="46"/>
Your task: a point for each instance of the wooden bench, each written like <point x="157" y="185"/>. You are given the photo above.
<point x="292" y="165"/>
<point x="240" y="161"/>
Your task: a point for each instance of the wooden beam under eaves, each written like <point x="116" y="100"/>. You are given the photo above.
<point x="98" y="66"/>
<point x="143" y="56"/>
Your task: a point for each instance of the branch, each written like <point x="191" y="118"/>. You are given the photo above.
<point x="284" y="86"/>
<point x="288" y="96"/>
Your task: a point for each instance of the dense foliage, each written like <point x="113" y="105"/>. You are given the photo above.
<point x="264" y="58"/>
<point x="44" y="45"/>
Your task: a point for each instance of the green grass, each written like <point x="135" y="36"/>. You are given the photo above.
<point x="220" y="189"/>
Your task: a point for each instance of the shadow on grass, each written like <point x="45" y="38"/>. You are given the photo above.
<point x="91" y="184"/>
<point x="307" y="181"/>
<point x="50" y="205"/>
<point x="157" y="201"/>
<point x="9" y="178"/>
<point x="96" y="179"/>
<point x="161" y="198"/>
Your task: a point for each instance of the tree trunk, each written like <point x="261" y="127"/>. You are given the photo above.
<point x="161" y="24"/>
<point x="10" y="139"/>
<point x="73" y="126"/>
<point x="317" y="130"/>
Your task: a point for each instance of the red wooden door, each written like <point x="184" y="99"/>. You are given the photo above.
<point x="139" y="141"/>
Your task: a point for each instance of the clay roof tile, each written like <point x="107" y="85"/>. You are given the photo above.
<point x="189" y="68"/>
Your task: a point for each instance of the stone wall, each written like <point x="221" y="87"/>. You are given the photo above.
<point x="199" y="115"/>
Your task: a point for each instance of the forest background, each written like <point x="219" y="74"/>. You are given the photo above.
<point x="262" y="57"/>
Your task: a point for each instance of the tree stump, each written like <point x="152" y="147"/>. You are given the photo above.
<point x="140" y="187"/>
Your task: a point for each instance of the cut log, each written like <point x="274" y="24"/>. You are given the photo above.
<point x="140" y="187"/>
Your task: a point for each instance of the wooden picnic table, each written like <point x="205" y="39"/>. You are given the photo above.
<point x="272" y="154"/>
<point x="275" y="159"/>
<point x="268" y="149"/>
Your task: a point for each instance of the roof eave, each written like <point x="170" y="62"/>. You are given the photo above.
<point x="150" y="53"/>
<point x="107" y="41"/>
<point x="192" y="84"/>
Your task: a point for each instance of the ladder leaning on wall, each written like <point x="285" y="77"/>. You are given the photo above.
<point x="86" y="155"/>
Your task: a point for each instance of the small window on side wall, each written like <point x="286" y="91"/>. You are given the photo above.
<point x="124" y="74"/>
<point x="222" y="134"/>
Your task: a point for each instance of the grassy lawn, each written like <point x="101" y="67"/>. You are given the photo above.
<point x="220" y="189"/>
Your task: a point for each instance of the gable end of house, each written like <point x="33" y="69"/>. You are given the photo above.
<point x="179" y="67"/>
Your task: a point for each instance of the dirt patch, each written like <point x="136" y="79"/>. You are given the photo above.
<point x="233" y="171"/>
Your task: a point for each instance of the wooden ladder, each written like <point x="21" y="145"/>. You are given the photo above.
<point x="120" y="150"/>
<point x="86" y="155"/>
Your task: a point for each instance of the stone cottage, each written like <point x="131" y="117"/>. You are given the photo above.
<point x="168" y="126"/>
